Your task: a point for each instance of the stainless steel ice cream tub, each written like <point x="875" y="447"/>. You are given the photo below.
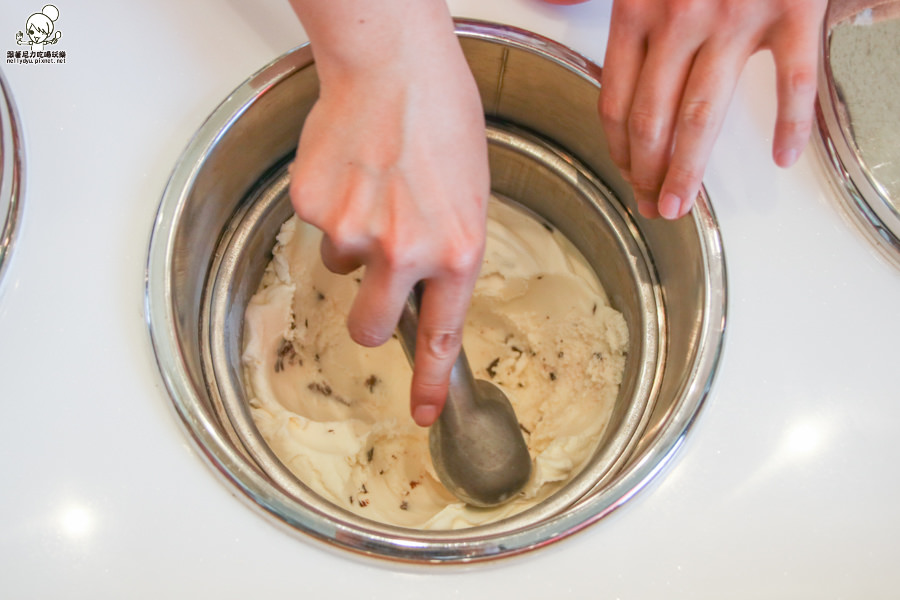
<point x="858" y="118"/>
<point x="11" y="177"/>
<point x="226" y="200"/>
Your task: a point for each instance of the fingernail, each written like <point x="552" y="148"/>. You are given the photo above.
<point x="670" y="206"/>
<point x="425" y="415"/>
<point x="786" y="158"/>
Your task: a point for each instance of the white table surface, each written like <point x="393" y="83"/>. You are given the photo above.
<point x="787" y="487"/>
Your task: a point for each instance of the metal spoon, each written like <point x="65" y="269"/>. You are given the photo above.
<point x="476" y="444"/>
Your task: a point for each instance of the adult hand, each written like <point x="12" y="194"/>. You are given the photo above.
<point x="392" y="167"/>
<point x="670" y="71"/>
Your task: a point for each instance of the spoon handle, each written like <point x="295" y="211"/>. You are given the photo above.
<point x="408" y="325"/>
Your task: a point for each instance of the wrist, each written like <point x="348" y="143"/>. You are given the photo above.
<point x="354" y="39"/>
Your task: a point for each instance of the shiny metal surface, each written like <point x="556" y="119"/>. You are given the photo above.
<point x="225" y="201"/>
<point x="477" y="447"/>
<point x="11" y="178"/>
<point x="858" y="125"/>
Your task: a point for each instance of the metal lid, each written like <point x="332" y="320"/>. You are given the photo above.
<point x="858" y="112"/>
<point x="11" y="160"/>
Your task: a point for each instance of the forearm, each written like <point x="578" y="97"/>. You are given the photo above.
<point x="356" y="36"/>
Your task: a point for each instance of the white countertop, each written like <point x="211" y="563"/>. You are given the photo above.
<point x="785" y="489"/>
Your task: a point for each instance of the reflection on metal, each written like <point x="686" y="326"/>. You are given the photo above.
<point x="858" y="112"/>
<point x="11" y="161"/>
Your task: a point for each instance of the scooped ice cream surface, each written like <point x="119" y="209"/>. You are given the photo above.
<point x="337" y="414"/>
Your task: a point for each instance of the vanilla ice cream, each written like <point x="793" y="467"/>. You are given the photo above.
<point x="337" y="414"/>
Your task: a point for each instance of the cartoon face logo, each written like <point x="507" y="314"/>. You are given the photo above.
<point x="39" y="28"/>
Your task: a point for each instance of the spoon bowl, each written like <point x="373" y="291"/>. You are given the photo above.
<point x="476" y="444"/>
<point x="478" y="451"/>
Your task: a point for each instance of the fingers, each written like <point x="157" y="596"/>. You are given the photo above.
<point x="438" y="343"/>
<point x="645" y="73"/>
<point x="669" y="74"/>
<point x="378" y="303"/>
<point x="625" y="54"/>
<point x="651" y="123"/>
<point x="795" y="50"/>
<point x="337" y="260"/>
<point x="445" y="301"/>
<point x="704" y="102"/>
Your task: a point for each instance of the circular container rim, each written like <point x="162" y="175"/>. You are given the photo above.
<point x="12" y="168"/>
<point x="864" y="200"/>
<point x="212" y="442"/>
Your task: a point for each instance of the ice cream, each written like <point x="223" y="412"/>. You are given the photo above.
<point x="866" y="73"/>
<point x="337" y="414"/>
